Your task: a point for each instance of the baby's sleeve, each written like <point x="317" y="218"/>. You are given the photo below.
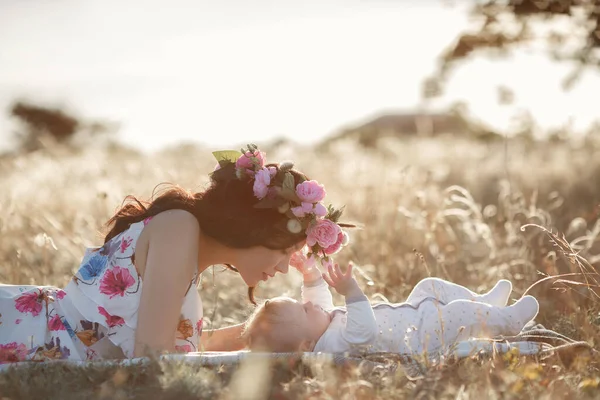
<point x="317" y="292"/>
<point x="361" y="325"/>
<point x="352" y="331"/>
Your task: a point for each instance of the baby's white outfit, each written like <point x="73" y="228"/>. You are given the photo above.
<point x="435" y="315"/>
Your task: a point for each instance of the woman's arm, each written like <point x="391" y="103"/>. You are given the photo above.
<point x="170" y="265"/>
<point x="223" y="339"/>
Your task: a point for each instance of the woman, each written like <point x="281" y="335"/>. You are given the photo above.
<point x="136" y="295"/>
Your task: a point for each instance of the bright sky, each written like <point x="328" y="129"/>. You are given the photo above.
<point x="223" y="72"/>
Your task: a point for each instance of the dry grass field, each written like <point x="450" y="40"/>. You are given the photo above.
<point x="447" y="207"/>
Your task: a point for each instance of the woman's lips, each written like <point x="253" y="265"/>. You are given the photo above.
<point x="267" y="276"/>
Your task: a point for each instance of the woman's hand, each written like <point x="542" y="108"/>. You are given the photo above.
<point x="343" y="283"/>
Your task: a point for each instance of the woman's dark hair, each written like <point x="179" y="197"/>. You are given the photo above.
<point x="225" y="212"/>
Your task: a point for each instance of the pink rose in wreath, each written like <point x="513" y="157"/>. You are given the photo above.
<point x="334" y="248"/>
<point x="324" y="232"/>
<point x="310" y="191"/>
<point x="303" y="209"/>
<point x="262" y="180"/>
<point x="320" y="210"/>
<point x="250" y="162"/>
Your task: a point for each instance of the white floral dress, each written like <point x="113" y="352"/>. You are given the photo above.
<point x="95" y="316"/>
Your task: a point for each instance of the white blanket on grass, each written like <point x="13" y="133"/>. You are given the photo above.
<point x="461" y="350"/>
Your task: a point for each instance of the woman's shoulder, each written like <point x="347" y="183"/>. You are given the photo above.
<point x="175" y="222"/>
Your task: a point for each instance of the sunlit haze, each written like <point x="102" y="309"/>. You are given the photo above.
<point x="231" y="71"/>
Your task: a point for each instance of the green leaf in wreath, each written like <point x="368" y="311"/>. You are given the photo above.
<point x="288" y="181"/>
<point x="277" y="180"/>
<point x="288" y="191"/>
<point x="226" y="156"/>
<point x="334" y="214"/>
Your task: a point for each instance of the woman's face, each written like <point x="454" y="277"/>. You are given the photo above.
<point x="259" y="263"/>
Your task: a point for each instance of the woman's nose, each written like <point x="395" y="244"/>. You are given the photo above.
<point x="283" y="266"/>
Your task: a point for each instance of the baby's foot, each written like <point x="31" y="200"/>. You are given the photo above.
<point x="498" y="295"/>
<point x="523" y="311"/>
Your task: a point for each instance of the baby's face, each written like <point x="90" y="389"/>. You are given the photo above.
<point x="311" y="318"/>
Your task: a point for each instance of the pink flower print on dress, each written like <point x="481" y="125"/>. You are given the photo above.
<point x="199" y="326"/>
<point x="12" y="352"/>
<point x="90" y="355"/>
<point x="29" y="303"/>
<point x="125" y="243"/>
<point x="111" y="320"/>
<point x="116" y="281"/>
<point x="149" y="219"/>
<point x="186" y="348"/>
<point x="56" y="324"/>
<point x="60" y="294"/>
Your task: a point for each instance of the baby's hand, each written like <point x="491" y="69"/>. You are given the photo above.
<point x="302" y="263"/>
<point x="344" y="284"/>
<point x="305" y="265"/>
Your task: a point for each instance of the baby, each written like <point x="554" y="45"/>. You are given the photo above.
<point x="436" y="315"/>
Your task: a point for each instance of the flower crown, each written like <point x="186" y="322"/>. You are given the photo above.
<point x="302" y="203"/>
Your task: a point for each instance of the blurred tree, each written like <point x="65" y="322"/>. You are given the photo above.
<point x="568" y="29"/>
<point x="40" y="122"/>
<point x="505" y="95"/>
<point x="525" y="126"/>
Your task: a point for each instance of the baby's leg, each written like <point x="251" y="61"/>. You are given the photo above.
<point x="464" y="319"/>
<point x="446" y="292"/>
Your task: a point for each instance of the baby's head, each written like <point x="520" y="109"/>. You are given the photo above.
<point x="284" y="325"/>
